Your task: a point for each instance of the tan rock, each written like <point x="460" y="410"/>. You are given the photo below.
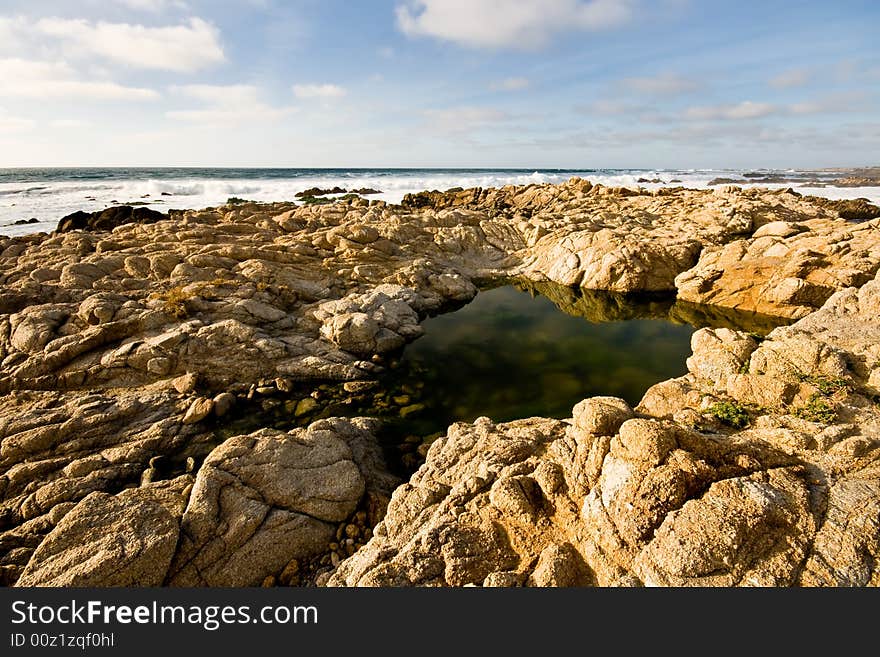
<point x="106" y="541"/>
<point x="260" y="501"/>
<point x="198" y="410"/>
<point x="601" y="415"/>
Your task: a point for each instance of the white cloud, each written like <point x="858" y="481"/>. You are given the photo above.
<point x="318" y="91"/>
<point x="387" y="52"/>
<point x="183" y="48"/>
<point x="666" y="84"/>
<point x="792" y="78"/>
<point x="854" y="101"/>
<point x="11" y="124"/>
<point x="510" y="84"/>
<point x="68" y="123"/>
<point x="11" y="32"/>
<point x="31" y="79"/>
<point x="221" y="94"/>
<point x="455" y="120"/>
<point x="225" y="104"/>
<point x="523" y="24"/>
<point x="608" y="107"/>
<point x="733" y="112"/>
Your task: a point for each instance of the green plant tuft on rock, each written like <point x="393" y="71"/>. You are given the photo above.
<point x="827" y="385"/>
<point x="234" y="200"/>
<point x="731" y="413"/>
<point x="817" y="409"/>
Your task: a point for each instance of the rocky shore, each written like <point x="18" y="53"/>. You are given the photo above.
<point x="129" y="343"/>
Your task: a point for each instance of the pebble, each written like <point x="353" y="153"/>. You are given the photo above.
<point x="223" y="403"/>
<point x="306" y="405"/>
<point x="284" y="384"/>
<point x="290" y="573"/>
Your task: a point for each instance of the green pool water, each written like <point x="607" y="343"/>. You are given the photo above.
<point x="516" y="350"/>
<point x="511" y="353"/>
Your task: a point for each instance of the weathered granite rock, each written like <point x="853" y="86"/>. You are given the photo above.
<point x="105" y="540"/>
<point x="122" y="341"/>
<point x="261" y="500"/>
<point x="785" y="268"/>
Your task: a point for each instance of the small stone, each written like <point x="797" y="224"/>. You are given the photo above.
<point x="269" y="403"/>
<point x="305" y="406"/>
<point x="358" y="386"/>
<point x="269" y="582"/>
<point x="284" y="384"/>
<point x="198" y="410"/>
<point x="406" y="411"/>
<point x="223" y="403"/>
<point x="501" y="579"/>
<point x="352" y="531"/>
<point x="185" y="384"/>
<point x="601" y="416"/>
<point x="266" y="390"/>
<point x="190" y="464"/>
<point x="334" y="559"/>
<point x="160" y="366"/>
<point x="290" y="573"/>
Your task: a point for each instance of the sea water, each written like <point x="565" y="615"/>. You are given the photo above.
<point x="47" y="194"/>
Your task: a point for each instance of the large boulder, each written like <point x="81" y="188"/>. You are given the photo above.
<point x="260" y="501"/>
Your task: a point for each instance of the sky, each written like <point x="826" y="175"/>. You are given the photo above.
<point x="440" y="83"/>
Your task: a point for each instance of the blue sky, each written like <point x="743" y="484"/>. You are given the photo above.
<point x="446" y="83"/>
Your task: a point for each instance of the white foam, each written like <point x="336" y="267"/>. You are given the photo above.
<point x="49" y="201"/>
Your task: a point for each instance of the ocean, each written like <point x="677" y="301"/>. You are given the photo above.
<point x="47" y="194"/>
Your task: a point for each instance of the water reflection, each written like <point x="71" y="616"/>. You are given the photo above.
<point x="510" y="353"/>
<point x="598" y="306"/>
